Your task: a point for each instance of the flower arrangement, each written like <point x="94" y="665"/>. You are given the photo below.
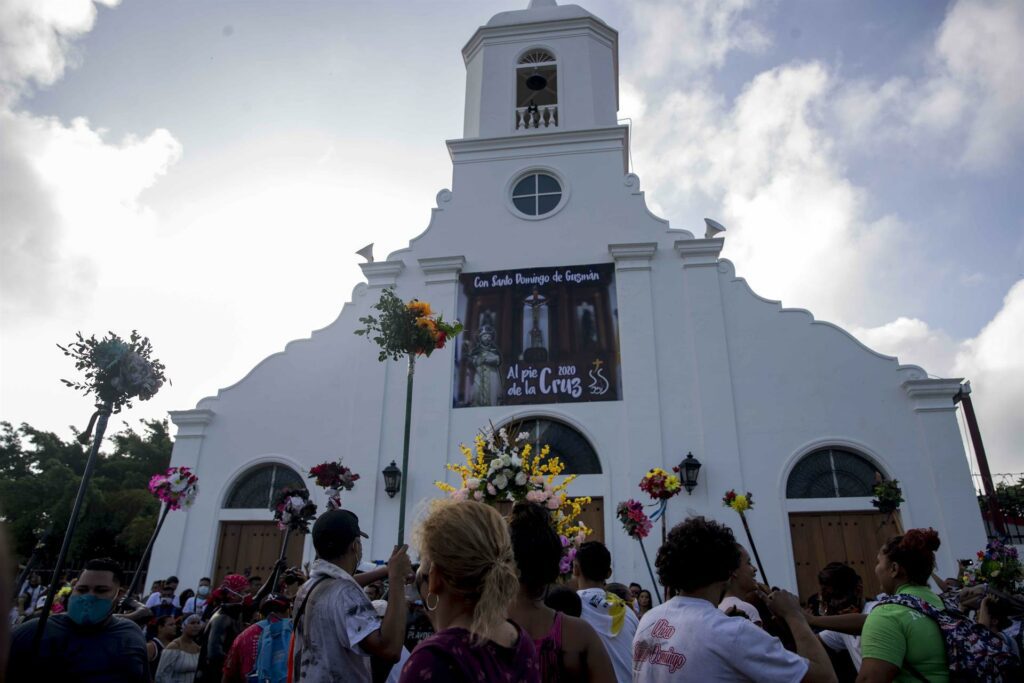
<point x="502" y="467"/>
<point x="333" y="477"/>
<point x="634" y="519"/>
<point x="293" y="510"/>
<point x="997" y="565"/>
<point x="888" y="494"/>
<point x="740" y="502"/>
<point x="660" y="485"/>
<point x="176" y="488"/>
<point x="116" y="370"/>
<point x="570" y="546"/>
<point x="406" y="329"/>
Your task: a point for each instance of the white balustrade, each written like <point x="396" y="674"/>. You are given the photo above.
<point x="542" y="116"/>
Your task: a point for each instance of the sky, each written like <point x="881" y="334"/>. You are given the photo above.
<point x="204" y="170"/>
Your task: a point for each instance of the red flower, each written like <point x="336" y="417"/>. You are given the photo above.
<point x="441" y="338"/>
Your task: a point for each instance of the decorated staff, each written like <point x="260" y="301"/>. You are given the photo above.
<point x="660" y="486"/>
<point x="116" y="372"/>
<point x="293" y="511"/>
<point x="176" y="488"/>
<point x="503" y="467"/>
<point x="333" y="477"/>
<point x="406" y="330"/>
<point x="741" y="502"/>
<point x="637" y="524"/>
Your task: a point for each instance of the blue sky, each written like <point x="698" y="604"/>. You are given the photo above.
<point x="204" y="170"/>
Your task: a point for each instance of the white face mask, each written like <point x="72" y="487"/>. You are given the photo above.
<point x="203" y="591"/>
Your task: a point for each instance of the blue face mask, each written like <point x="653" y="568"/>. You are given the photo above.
<point x="88" y="610"/>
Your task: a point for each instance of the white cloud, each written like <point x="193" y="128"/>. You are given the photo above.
<point x="912" y="341"/>
<point x="970" y="97"/>
<point x="35" y="40"/>
<point x="691" y="36"/>
<point x="67" y="194"/>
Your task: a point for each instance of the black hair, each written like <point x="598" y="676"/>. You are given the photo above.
<point x="205" y="578"/>
<point x="698" y="553"/>
<point x="105" y="564"/>
<point x="171" y="579"/>
<point x="536" y="546"/>
<point x="595" y="561"/>
<point x="619" y="589"/>
<point x="565" y="600"/>
<point x="840" y="585"/>
<point x="634" y="583"/>
<point x="914" y="551"/>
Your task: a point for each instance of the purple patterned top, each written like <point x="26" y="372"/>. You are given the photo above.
<point x="450" y="656"/>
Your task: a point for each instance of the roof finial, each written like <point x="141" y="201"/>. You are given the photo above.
<point x="541" y="3"/>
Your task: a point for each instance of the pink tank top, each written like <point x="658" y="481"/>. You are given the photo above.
<point x="549" y="652"/>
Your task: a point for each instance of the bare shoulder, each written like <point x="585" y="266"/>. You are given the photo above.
<point x="577" y="634"/>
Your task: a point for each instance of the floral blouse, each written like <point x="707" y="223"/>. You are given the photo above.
<point x="450" y="655"/>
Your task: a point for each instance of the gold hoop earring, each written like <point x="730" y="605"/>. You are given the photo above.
<point x="436" y="602"/>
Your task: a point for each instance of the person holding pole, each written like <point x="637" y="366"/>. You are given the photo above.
<point x="86" y="643"/>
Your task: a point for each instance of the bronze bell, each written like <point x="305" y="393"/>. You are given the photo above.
<point x="536" y="82"/>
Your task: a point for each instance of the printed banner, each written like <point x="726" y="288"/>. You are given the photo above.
<point x="538" y="335"/>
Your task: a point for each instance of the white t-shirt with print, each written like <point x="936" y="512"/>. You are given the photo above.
<point x="337" y="618"/>
<point x="844" y="641"/>
<point x="615" y="623"/>
<point x="689" y="639"/>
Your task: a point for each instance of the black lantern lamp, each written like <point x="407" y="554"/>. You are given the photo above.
<point x="392" y="479"/>
<point x="689" y="468"/>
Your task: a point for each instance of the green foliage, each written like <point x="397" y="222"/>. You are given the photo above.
<point x="1010" y="498"/>
<point x="406" y="329"/>
<point x="40" y="474"/>
<point x="116" y="371"/>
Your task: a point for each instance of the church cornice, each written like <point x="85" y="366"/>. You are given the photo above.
<point x="699" y="252"/>
<point x="633" y="256"/>
<point x="933" y="395"/>
<point x="442" y="269"/>
<point x="191" y="423"/>
<point x="533" y="145"/>
<point x="578" y="26"/>
<point x="382" y="273"/>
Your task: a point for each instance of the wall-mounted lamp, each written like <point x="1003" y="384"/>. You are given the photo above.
<point x="689" y="468"/>
<point x="392" y="479"/>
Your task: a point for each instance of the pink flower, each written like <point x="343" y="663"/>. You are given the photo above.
<point x="537" y="496"/>
<point x="554" y="503"/>
<point x="491" y="490"/>
<point x="478" y="495"/>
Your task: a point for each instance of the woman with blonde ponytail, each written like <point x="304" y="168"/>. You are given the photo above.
<point x="467" y="580"/>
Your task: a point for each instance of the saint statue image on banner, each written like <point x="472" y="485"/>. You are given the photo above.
<point x="536" y="307"/>
<point x="485" y="359"/>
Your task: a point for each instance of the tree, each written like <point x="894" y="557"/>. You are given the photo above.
<point x="1010" y="498"/>
<point x="40" y="473"/>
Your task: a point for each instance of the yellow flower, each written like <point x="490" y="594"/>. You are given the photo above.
<point x="740" y="503"/>
<point x="420" y="308"/>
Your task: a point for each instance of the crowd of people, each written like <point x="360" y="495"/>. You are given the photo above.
<point x="486" y="602"/>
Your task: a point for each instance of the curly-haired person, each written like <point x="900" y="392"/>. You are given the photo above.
<point x="689" y="639"/>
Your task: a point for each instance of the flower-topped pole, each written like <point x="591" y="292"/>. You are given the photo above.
<point x="637" y="524"/>
<point x="293" y="511"/>
<point x="116" y="371"/>
<point x="741" y="502"/>
<point x="176" y="488"/>
<point x="503" y="466"/>
<point x="660" y="486"/>
<point x="406" y="330"/>
<point x="333" y="477"/>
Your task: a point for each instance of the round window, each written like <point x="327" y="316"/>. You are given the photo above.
<point x="537" y="194"/>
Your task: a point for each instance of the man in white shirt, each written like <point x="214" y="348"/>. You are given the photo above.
<point x="164" y="595"/>
<point x="197" y="604"/>
<point x="337" y="629"/>
<point x="688" y="639"/>
<point x="614" y="620"/>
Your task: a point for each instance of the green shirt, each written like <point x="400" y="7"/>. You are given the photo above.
<point x="901" y="635"/>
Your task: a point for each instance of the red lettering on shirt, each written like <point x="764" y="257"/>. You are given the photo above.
<point x="645" y="652"/>
<point x="662" y="630"/>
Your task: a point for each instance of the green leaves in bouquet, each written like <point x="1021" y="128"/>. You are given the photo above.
<point x="405" y="329"/>
<point x="116" y="370"/>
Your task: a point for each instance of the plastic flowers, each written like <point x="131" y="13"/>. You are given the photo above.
<point x="502" y="467"/>
<point x="997" y="565"/>
<point x="405" y="329"/>
<point x="293" y="510"/>
<point x="659" y="484"/>
<point x="333" y="476"/>
<point x="176" y="488"/>
<point x="740" y="502"/>
<point x="116" y="370"/>
<point x="634" y="519"/>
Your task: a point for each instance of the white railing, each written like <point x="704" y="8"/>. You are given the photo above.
<point x="541" y="116"/>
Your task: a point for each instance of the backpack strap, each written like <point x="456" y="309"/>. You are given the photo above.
<point x="297" y="621"/>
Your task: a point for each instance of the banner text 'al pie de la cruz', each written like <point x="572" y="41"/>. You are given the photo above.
<point x="538" y="335"/>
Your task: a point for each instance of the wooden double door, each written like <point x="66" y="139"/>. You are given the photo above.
<point x="850" y="537"/>
<point x="252" y="548"/>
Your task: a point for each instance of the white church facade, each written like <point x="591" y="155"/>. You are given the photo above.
<point x="621" y="341"/>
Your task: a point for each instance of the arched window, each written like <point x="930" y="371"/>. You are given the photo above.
<point x="832" y="473"/>
<point x="536" y="90"/>
<point x="571" y="447"/>
<point x="257" y="487"/>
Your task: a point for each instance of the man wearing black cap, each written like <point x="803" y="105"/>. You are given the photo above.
<point x="337" y="630"/>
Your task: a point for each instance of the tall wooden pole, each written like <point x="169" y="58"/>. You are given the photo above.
<point x="405" y="450"/>
<point x="994" y="511"/>
<point x="103" y="413"/>
<point x="145" y="557"/>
